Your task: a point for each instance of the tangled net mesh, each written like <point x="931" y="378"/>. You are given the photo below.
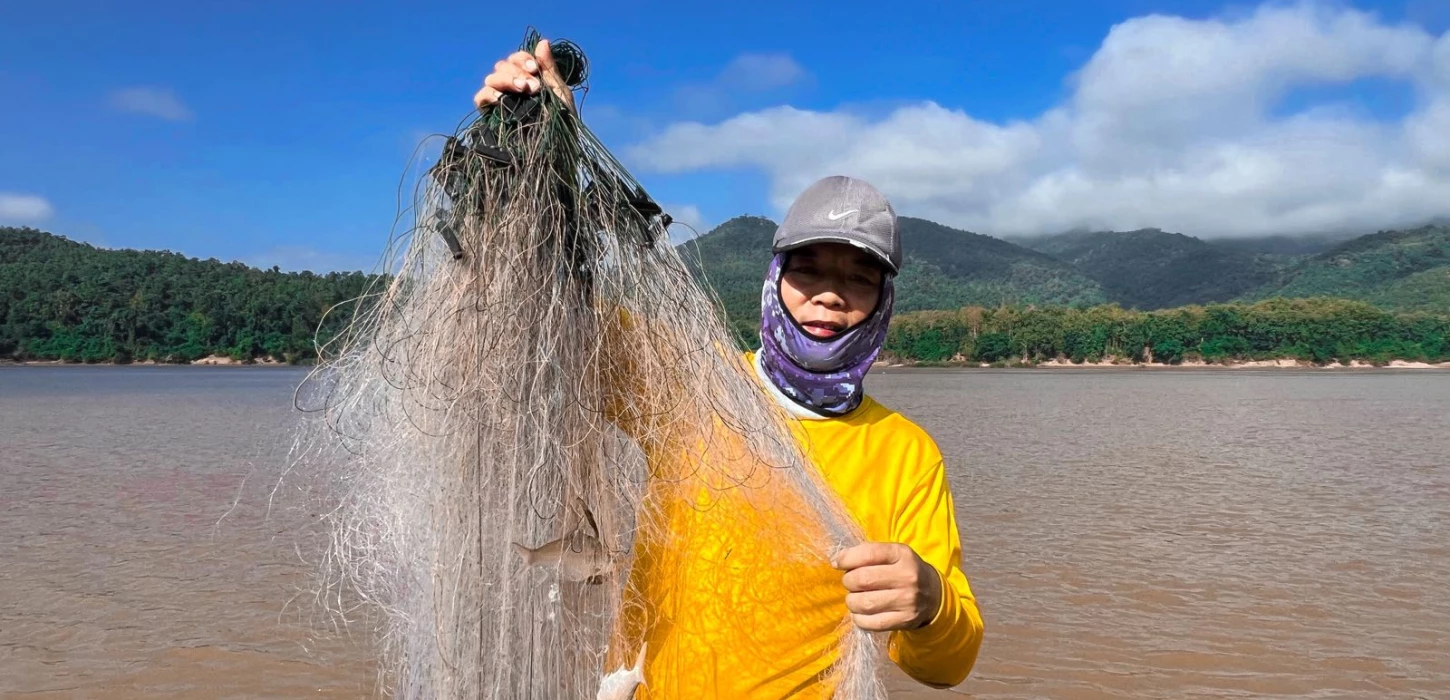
<point x="543" y="376"/>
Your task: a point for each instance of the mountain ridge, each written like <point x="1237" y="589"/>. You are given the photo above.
<point x="1154" y="269"/>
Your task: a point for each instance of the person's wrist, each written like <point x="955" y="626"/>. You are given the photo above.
<point x="935" y="589"/>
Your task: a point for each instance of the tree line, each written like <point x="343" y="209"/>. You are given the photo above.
<point x="1316" y="330"/>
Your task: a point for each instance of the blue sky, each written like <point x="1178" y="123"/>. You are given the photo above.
<point x="277" y="132"/>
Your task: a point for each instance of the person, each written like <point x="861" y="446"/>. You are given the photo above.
<point x="826" y="303"/>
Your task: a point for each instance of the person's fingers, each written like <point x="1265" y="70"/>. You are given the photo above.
<point x="524" y="60"/>
<point x="873" y="578"/>
<point x="549" y="72"/>
<point x="501" y="81"/>
<point x="486" y="96"/>
<point x="876" y="602"/>
<point x="882" y="622"/>
<point x="545" y="55"/>
<point x="525" y="71"/>
<point x="866" y="554"/>
<point x="511" y="79"/>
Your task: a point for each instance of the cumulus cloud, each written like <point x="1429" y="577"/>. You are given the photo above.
<point x="23" y="208"/>
<point x="1172" y="123"/>
<point x="151" y="101"/>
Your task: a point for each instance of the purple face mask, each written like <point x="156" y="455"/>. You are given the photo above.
<point x="822" y="374"/>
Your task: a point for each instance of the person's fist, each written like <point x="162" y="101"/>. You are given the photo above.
<point x="524" y="73"/>
<point x="888" y="586"/>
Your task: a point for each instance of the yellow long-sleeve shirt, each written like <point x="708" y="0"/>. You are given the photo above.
<point x="731" y="608"/>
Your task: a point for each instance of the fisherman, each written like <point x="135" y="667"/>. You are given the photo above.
<point x="827" y="301"/>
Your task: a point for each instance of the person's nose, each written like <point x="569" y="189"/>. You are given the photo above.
<point x="831" y="300"/>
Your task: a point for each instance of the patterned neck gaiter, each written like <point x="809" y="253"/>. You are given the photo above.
<point x="822" y="374"/>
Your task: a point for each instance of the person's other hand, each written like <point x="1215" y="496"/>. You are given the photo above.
<point x="889" y="587"/>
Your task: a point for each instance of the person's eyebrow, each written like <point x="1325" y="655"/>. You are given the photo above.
<point x="865" y="261"/>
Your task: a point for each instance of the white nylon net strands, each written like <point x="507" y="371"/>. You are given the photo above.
<point x="530" y="435"/>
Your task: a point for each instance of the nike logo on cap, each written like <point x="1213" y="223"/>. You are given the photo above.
<point x="833" y="216"/>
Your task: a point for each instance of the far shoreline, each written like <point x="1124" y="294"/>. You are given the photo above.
<point x="209" y="361"/>
<point x="1056" y="364"/>
<point x="1190" y="365"/>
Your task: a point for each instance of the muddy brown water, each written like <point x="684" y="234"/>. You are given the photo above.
<point x="1131" y="534"/>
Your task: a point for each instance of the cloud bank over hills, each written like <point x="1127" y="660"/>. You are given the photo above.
<point x="1231" y="126"/>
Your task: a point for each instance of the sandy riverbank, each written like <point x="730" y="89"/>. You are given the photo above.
<point x="208" y="361"/>
<point x="224" y="360"/>
<point x="1059" y="363"/>
<point x="1256" y="364"/>
<point x="1114" y="363"/>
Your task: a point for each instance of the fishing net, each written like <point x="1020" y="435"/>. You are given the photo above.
<point x="538" y="445"/>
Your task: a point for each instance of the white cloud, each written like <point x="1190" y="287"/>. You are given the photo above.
<point x="688" y="222"/>
<point x="762" y="71"/>
<point x="1171" y="123"/>
<point x="151" y="101"/>
<point x="24" y="208"/>
<point x="746" y="73"/>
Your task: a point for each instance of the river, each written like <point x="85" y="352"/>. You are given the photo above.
<point x="1130" y="533"/>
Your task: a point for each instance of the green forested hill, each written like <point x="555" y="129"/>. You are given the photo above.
<point x="1152" y="269"/>
<point x="1402" y="270"/>
<point x="60" y="299"/>
<point x="732" y="258"/>
<point x="951" y="268"/>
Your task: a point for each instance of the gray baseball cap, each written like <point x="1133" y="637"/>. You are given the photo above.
<point x="842" y="209"/>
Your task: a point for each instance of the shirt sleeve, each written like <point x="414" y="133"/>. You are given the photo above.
<point x="942" y="653"/>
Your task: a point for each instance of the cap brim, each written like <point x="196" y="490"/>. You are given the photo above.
<point x="837" y="238"/>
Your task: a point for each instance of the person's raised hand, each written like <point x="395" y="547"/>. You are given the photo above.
<point x="888" y="586"/>
<point x="524" y="73"/>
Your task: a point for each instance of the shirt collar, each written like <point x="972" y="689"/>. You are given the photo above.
<point x="792" y="407"/>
